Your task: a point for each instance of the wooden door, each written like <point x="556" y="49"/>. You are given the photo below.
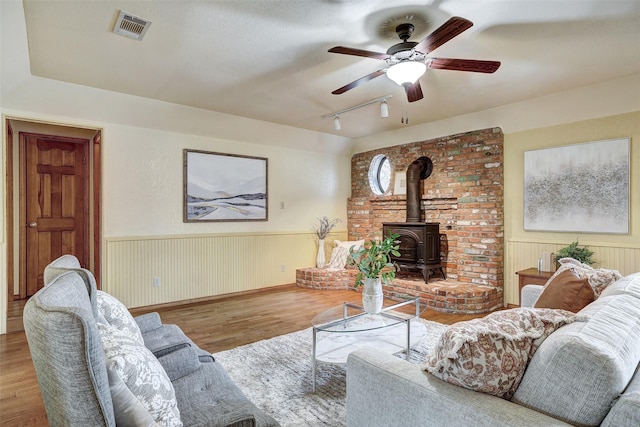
<point x="54" y="196"/>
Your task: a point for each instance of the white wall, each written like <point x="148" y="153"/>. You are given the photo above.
<point x="142" y="160"/>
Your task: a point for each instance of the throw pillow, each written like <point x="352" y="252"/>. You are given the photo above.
<point x="566" y="291"/>
<point x="598" y="278"/>
<point x="117" y="315"/>
<point x="356" y="244"/>
<point x="339" y="257"/>
<point x="490" y="355"/>
<point x="143" y="375"/>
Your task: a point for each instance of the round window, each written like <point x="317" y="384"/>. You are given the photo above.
<point x="380" y="174"/>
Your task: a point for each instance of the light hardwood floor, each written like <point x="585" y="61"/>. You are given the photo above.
<point x="217" y="325"/>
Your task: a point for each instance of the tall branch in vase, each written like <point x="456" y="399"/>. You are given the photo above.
<point x="322" y="230"/>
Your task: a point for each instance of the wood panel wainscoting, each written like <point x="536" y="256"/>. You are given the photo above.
<point x="190" y="267"/>
<point x="220" y="324"/>
<point x="521" y="254"/>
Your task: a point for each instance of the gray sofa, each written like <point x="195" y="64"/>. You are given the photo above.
<point x="61" y="325"/>
<point x="585" y="374"/>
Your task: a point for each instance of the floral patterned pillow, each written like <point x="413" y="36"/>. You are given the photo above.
<point x="117" y="315"/>
<point x="490" y="355"/>
<point x="142" y="374"/>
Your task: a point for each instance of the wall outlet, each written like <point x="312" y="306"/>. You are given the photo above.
<point x="282" y="268"/>
<point x="156" y="282"/>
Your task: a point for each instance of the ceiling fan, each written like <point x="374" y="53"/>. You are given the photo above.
<point x="407" y="61"/>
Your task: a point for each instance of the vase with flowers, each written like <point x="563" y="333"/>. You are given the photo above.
<point x="322" y="230"/>
<point x="373" y="260"/>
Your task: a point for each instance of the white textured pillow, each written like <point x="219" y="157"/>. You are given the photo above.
<point x="339" y="257"/>
<point x="347" y="244"/>
<point x="117" y="315"/>
<point x="142" y="374"/>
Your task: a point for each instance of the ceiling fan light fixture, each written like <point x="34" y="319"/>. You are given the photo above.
<point x="336" y="123"/>
<point x="384" y="109"/>
<point x="406" y="72"/>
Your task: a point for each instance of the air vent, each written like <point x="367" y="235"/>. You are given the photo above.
<point x="131" y="26"/>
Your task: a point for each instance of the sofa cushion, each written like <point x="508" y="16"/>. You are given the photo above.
<point x="626" y="410"/>
<point x="208" y="396"/>
<point x="128" y="410"/>
<point x="117" y="315"/>
<point x="143" y="375"/>
<point x="566" y="291"/>
<point x="627" y="285"/>
<point x="490" y="355"/>
<point x="581" y="368"/>
<point x="599" y="278"/>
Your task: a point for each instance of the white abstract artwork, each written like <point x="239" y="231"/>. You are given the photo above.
<point x="578" y="188"/>
<point x="224" y="187"/>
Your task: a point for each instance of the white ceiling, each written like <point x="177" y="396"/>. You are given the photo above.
<point x="268" y="60"/>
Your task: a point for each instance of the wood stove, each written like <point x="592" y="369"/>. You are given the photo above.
<point x="419" y="246"/>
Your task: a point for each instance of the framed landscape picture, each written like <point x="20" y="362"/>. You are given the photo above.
<point x="224" y="187"/>
<point x="578" y="188"/>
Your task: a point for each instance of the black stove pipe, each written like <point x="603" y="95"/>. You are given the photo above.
<point x="417" y="171"/>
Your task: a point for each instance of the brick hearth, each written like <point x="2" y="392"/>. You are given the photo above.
<point x="440" y="295"/>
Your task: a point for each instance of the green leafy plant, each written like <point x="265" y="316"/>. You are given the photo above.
<point x="373" y="259"/>
<point x="582" y="254"/>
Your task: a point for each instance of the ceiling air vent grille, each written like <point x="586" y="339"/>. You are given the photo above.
<point x="131" y="26"/>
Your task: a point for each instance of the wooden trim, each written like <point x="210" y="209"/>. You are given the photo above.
<point x="9" y="211"/>
<point x="22" y="219"/>
<point x="97" y="197"/>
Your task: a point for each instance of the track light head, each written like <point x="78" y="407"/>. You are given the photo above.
<point x="384" y="109"/>
<point x="336" y="123"/>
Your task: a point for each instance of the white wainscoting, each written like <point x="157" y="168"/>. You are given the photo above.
<point x="520" y="255"/>
<point x="199" y="266"/>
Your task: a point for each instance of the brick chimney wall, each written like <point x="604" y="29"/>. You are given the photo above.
<point x="464" y="194"/>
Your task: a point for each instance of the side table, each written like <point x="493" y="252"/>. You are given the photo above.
<point x="532" y="276"/>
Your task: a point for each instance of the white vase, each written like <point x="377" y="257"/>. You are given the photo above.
<point x="320" y="259"/>
<point x="372" y="295"/>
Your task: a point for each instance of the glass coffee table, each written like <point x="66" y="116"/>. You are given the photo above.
<point x="342" y="329"/>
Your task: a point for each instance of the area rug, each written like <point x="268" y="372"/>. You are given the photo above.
<point x="275" y="374"/>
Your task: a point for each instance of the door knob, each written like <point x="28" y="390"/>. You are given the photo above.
<point x="33" y="224"/>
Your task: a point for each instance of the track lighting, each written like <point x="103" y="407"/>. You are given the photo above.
<point x="336" y="123"/>
<point x="384" y="110"/>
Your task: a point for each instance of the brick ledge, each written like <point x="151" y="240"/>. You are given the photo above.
<point x="448" y="296"/>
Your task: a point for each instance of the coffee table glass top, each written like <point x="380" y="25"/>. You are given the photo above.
<point x="351" y="317"/>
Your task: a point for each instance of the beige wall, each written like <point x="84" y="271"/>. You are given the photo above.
<point x="621" y="252"/>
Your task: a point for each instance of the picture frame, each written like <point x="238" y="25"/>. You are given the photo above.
<point x="579" y="188"/>
<point x="222" y="187"/>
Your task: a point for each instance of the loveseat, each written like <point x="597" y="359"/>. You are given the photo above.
<point x="584" y="373"/>
<point x="93" y="361"/>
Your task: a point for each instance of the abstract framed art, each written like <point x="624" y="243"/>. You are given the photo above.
<point x="578" y="188"/>
<point x="224" y="187"/>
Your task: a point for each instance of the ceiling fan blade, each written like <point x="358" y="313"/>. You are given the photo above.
<point x="414" y="91"/>
<point x="358" y="82"/>
<point x="358" y="52"/>
<point x="453" y="27"/>
<point x="473" y="65"/>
